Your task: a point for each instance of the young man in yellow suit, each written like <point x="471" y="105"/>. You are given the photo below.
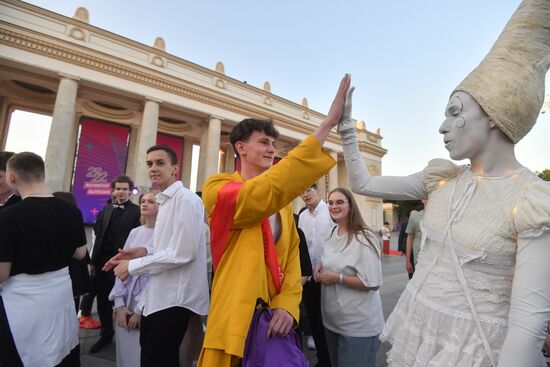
<point x="261" y="196"/>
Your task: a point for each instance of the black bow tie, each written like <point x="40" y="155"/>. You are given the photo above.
<point x="121" y="206"/>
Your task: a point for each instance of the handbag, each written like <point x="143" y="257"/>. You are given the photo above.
<point x="261" y="351"/>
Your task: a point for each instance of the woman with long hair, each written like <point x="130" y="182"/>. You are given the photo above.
<point x="126" y="295"/>
<point x="350" y="274"/>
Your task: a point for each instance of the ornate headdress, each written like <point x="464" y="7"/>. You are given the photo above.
<point x="509" y="82"/>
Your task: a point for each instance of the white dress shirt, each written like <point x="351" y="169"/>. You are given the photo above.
<point x="177" y="265"/>
<point x="316" y="227"/>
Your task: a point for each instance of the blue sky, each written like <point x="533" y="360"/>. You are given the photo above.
<point x="405" y="56"/>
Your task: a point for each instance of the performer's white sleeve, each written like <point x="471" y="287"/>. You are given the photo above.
<point x="530" y="303"/>
<point x="387" y="187"/>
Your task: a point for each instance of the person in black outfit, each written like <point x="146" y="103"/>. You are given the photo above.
<point x="111" y="228"/>
<point x="402" y="240"/>
<point x="7" y="198"/>
<point x="78" y="269"/>
<point x="311" y="296"/>
<point x="7" y="195"/>
<point x="39" y="237"/>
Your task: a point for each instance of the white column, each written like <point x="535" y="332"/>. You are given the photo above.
<point x="187" y="161"/>
<point x="333" y="173"/>
<point x="322" y="186"/>
<point x="202" y="156"/>
<point x="213" y="147"/>
<point x="297" y="204"/>
<point x="4" y="117"/>
<point x="229" y="159"/>
<point x="147" y="137"/>
<point x="61" y="132"/>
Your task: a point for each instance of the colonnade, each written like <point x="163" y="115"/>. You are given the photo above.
<point x="59" y="157"/>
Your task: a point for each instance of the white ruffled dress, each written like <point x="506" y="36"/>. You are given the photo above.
<point x="482" y="218"/>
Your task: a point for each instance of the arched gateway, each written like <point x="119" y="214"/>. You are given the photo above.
<point x="111" y="98"/>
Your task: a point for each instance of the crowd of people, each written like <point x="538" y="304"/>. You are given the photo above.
<point x="477" y="254"/>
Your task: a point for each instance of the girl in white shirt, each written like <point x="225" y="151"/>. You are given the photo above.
<point x="350" y="274"/>
<point x="126" y="295"/>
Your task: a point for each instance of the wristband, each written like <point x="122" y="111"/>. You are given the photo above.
<point x="341" y="279"/>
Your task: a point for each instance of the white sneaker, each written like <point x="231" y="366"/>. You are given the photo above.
<point x="310" y="343"/>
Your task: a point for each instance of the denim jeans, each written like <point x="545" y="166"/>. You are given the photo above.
<point x="349" y="351"/>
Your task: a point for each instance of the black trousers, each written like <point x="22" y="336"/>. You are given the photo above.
<point x="161" y="335"/>
<point x="311" y="297"/>
<point x="412" y="263"/>
<point x="87" y="303"/>
<point x="104" y="282"/>
<point x="9" y="357"/>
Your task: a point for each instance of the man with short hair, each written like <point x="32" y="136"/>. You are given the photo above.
<point x="178" y="284"/>
<point x="316" y="224"/>
<point x="254" y="241"/>
<point x="7" y="195"/>
<point x="38" y="236"/>
<point x="112" y="227"/>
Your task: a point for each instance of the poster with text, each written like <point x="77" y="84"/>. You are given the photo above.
<point x="101" y="156"/>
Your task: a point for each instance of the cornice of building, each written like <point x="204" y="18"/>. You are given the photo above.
<point x="78" y="54"/>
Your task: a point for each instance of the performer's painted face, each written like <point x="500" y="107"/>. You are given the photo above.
<point x="257" y="151"/>
<point x="466" y="127"/>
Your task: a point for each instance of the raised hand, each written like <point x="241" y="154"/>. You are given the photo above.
<point x="346" y="122"/>
<point x="335" y="113"/>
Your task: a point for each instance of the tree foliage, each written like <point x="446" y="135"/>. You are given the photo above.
<point x="545" y="175"/>
<point x="405" y="207"/>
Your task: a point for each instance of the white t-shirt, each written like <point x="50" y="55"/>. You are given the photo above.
<point x="345" y="310"/>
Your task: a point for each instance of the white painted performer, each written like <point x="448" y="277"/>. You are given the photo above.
<point x="480" y="295"/>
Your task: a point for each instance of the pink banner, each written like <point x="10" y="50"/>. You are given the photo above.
<point x="174" y="142"/>
<point x="101" y="156"/>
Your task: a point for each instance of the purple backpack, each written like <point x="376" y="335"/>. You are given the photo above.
<point x="261" y="351"/>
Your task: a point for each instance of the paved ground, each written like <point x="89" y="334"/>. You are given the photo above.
<point x="395" y="279"/>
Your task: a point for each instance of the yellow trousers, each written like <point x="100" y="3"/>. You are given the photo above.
<point x="217" y="358"/>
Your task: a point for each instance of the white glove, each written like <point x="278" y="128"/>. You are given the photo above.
<point x="346" y="122"/>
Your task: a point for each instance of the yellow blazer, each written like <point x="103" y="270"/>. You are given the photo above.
<point x="242" y="275"/>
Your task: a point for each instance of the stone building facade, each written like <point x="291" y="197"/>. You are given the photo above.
<point x="69" y="69"/>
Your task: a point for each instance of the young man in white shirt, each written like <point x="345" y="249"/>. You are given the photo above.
<point x="178" y="285"/>
<point x="316" y="224"/>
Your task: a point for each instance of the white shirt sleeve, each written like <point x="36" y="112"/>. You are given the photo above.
<point x="387" y="187"/>
<point x="530" y="303"/>
<point x="183" y="245"/>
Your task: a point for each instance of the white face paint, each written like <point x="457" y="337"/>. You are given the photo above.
<point x="466" y="127"/>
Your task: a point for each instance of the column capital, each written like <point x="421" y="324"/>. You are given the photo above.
<point x="152" y="99"/>
<point x="215" y="117"/>
<point x="68" y="76"/>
